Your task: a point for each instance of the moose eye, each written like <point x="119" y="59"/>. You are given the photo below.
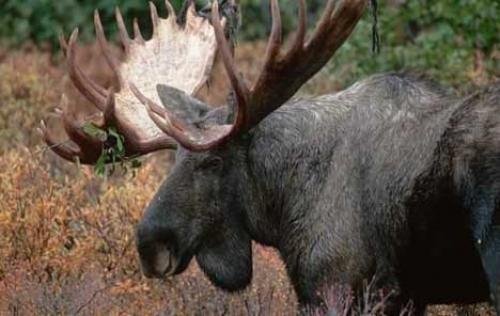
<point x="210" y="163"/>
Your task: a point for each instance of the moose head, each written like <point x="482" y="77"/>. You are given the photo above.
<point x="203" y="208"/>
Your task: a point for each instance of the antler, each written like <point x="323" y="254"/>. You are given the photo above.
<point x="282" y="74"/>
<point x="178" y="56"/>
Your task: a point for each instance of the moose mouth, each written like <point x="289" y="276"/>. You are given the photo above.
<point x="166" y="264"/>
<point x="163" y="264"/>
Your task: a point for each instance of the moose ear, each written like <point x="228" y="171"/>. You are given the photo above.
<point x="181" y="104"/>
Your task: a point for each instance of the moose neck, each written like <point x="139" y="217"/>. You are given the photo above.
<point x="288" y="162"/>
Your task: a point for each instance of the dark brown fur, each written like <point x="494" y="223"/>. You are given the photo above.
<point x="393" y="178"/>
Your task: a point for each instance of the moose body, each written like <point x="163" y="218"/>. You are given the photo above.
<point x="370" y="182"/>
<point x="366" y="183"/>
<point x="393" y="179"/>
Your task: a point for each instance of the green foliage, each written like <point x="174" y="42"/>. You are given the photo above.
<point x="473" y="22"/>
<point x="437" y="38"/>
<point x="113" y="152"/>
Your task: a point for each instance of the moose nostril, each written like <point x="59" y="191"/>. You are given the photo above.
<point x="156" y="259"/>
<point x="163" y="260"/>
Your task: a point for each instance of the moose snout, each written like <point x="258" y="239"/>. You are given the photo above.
<point x="157" y="261"/>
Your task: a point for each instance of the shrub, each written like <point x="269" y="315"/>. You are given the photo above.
<point x="453" y="44"/>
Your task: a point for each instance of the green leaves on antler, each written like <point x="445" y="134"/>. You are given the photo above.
<point x="113" y="151"/>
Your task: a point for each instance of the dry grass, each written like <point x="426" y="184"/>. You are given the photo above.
<point x="66" y="238"/>
<point x="67" y="245"/>
<point x="67" y="242"/>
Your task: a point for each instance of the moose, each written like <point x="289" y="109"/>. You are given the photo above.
<point x="394" y="178"/>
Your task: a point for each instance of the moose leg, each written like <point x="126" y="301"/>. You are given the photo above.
<point x="486" y="231"/>
<point x="489" y="250"/>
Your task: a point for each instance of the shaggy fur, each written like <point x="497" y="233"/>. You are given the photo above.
<point x="393" y="178"/>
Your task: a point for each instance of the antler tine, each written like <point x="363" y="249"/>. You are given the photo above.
<point x="241" y="90"/>
<point x="61" y="149"/>
<point x="334" y="14"/>
<point x="154" y="17"/>
<point x="323" y="25"/>
<point x="92" y="91"/>
<point x="124" y="37"/>
<point x="170" y="10"/>
<point x="190" y="12"/>
<point x="85" y="142"/>
<point x="103" y="44"/>
<point x="162" y="121"/>
<point x="298" y="44"/>
<point x="174" y="124"/>
<point x="82" y="77"/>
<point x="274" y="43"/>
<point x="137" y="33"/>
<point x="339" y="12"/>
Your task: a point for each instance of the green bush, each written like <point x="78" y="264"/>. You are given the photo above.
<point x="438" y="38"/>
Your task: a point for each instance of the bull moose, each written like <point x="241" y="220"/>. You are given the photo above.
<point x="393" y="178"/>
